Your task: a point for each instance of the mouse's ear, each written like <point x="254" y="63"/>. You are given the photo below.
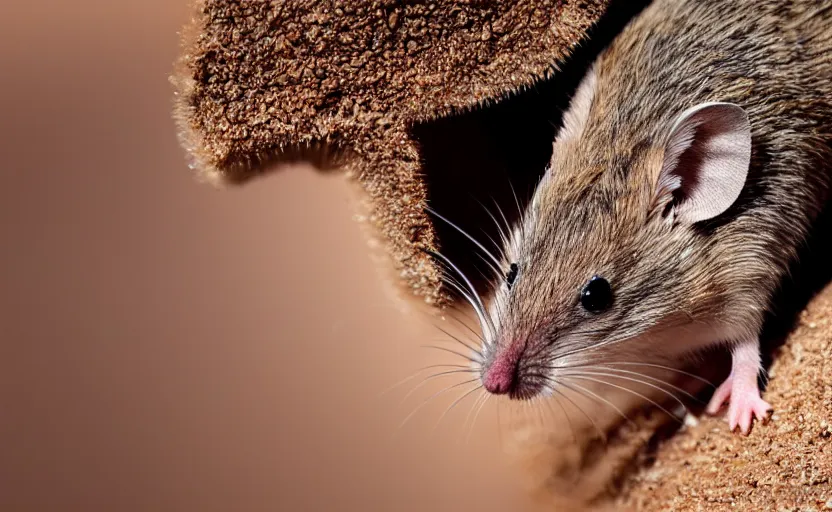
<point x="706" y="161"/>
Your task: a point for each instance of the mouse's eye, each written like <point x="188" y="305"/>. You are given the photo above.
<point x="596" y="295"/>
<point x="511" y="275"/>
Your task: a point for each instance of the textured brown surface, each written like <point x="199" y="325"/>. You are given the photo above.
<point x="266" y="82"/>
<point x="785" y="465"/>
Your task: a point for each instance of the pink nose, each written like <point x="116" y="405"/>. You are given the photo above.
<point x="500" y="376"/>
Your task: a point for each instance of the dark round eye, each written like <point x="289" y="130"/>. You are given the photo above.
<point x="511" y="275"/>
<point x="596" y="295"/>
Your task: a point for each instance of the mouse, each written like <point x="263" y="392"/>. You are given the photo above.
<point x="689" y="166"/>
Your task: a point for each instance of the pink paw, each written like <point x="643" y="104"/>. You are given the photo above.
<point x="743" y="411"/>
<point x="746" y="404"/>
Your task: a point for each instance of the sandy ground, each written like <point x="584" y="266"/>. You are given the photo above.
<point x="785" y="465"/>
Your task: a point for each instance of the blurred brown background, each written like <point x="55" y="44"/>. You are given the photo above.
<point x="168" y="346"/>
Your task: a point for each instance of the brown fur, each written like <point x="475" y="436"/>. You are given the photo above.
<point x="596" y="211"/>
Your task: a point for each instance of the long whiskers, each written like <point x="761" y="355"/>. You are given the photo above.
<point x="596" y="373"/>
<point x="503" y="234"/>
<point x="460" y="354"/>
<point x="477" y="415"/>
<point x="428" y="399"/>
<point x="483" y="397"/>
<point x="474" y="299"/>
<point x="469" y="347"/>
<point x="478" y="308"/>
<point x="566" y="397"/>
<point x="465" y="325"/>
<point x="495" y="262"/>
<point x="668" y="368"/>
<point x="628" y="390"/>
<point x="520" y="211"/>
<point x="455" y="402"/>
<point x="431" y="377"/>
<point x="587" y="392"/>
<point x="507" y="223"/>
<point x="565" y="415"/>
<point x="648" y="377"/>
<point x="421" y="371"/>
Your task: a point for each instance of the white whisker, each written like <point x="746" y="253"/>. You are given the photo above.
<point x="477" y="415"/>
<point x="561" y="393"/>
<point x="596" y="373"/>
<point x="478" y="386"/>
<point x="475" y="296"/>
<point x="628" y="390"/>
<point x="419" y="372"/>
<point x="430" y="378"/>
<point x="602" y="399"/>
<point x="469" y="347"/>
<point x="496" y="262"/>
<point x="460" y="354"/>
<point x="648" y="377"/>
<point x="668" y="368"/>
<point x="428" y="399"/>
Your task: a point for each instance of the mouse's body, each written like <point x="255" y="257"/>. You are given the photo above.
<point x="692" y="161"/>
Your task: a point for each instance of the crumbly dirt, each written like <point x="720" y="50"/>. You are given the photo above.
<point x="341" y="83"/>
<point x="785" y="465"/>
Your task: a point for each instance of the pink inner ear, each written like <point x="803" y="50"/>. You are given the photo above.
<point x="706" y="160"/>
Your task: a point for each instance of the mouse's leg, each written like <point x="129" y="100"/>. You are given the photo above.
<point x="742" y="389"/>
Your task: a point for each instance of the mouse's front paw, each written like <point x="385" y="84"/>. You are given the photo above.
<point x="745" y="403"/>
<point x="744" y="408"/>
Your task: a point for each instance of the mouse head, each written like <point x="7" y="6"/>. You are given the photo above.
<point x="607" y="254"/>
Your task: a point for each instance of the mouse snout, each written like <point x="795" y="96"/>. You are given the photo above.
<point x="500" y="377"/>
<point x="513" y="371"/>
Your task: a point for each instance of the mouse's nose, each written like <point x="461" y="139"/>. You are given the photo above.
<point x="500" y="377"/>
